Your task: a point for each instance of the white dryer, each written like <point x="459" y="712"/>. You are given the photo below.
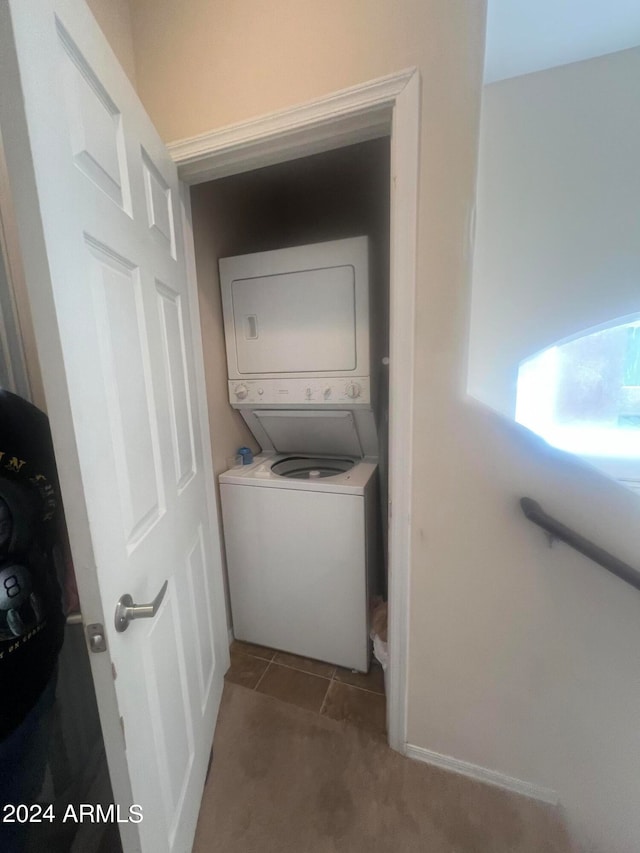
<point x="299" y="313"/>
<point x="300" y="538"/>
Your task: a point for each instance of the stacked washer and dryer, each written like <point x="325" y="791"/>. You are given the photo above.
<point x="300" y="522"/>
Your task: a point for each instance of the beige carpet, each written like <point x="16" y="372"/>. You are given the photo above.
<point x="285" y="780"/>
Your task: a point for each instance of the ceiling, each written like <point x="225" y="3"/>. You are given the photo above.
<point x="529" y="35"/>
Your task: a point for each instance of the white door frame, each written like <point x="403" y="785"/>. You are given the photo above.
<point x="388" y="106"/>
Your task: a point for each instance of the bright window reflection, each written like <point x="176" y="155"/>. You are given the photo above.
<point x="583" y="396"/>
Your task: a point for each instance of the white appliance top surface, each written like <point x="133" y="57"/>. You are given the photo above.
<point x="328" y="433"/>
<point x="260" y="473"/>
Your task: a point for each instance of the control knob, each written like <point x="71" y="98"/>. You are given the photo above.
<point x="241" y="392"/>
<point x="353" y="390"/>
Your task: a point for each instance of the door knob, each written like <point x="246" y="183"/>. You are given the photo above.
<point x="126" y="610"/>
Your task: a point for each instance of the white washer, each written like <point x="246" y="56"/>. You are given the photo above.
<point x="301" y="551"/>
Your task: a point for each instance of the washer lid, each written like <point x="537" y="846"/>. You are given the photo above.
<point x="330" y="433"/>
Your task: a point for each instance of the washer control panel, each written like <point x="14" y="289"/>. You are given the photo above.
<point x="298" y="392"/>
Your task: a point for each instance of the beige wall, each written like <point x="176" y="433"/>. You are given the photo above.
<point x="114" y="18"/>
<point x="522" y="659"/>
<point x="558" y="234"/>
<point x="207" y="63"/>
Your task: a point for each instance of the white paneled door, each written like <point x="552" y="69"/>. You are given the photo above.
<point x="101" y="227"/>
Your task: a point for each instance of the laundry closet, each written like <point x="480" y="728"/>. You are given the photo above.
<point x="324" y="449"/>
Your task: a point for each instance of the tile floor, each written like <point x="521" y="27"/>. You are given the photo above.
<point x="328" y="690"/>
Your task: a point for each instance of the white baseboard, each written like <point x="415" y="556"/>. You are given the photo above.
<point x="482" y="774"/>
<point x="230" y="635"/>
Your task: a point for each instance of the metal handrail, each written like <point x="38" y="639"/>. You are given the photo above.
<point x="557" y="530"/>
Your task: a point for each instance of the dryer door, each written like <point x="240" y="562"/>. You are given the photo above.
<point x="296" y="322"/>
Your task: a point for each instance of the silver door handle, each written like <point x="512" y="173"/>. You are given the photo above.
<point x="126" y="610"/>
